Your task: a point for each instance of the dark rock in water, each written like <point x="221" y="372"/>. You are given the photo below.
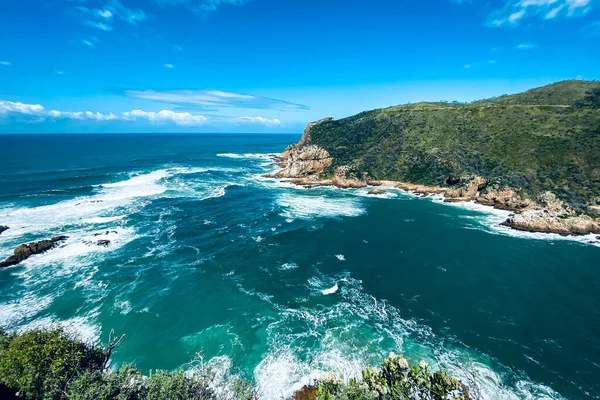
<point x="105" y="233"/>
<point x="102" y="242"/>
<point x="3" y="228"/>
<point x="376" y="191"/>
<point x="25" y="251"/>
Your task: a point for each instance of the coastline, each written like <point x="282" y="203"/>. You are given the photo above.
<point x="549" y="216"/>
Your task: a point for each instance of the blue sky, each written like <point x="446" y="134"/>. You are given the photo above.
<point x="273" y="65"/>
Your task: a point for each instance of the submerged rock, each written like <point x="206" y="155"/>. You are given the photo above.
<point x="3" y="228"/>
<point x="25" y="251"/>
<point x="376" y="191"/>
<point x="101" y="243"/>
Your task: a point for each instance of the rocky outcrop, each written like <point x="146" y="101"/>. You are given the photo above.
<point x="547" y="222"/>
<point x="3" y="228"/>
<point x="551" y="215"/>
<point x="25" y="251"/>
<point x="376" y="192"/>
<point x="303" y="161"/>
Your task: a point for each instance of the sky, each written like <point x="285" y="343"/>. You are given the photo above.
<point x="85" y="66"/>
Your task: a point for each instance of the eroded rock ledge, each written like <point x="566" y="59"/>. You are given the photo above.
<point x="25" y="251"/>
<point x="304" y="164"/>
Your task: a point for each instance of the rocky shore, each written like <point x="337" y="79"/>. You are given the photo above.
<point x="306" y="164"/>
<point x="3" y="228"/>
<point x="25" y="251"/>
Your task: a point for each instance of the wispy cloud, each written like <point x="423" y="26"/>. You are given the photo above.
<point x="260" y="120"/>
<point x="5" y="63"/>
<point x="200" y="6"/>
<point x="103" y="18"/>
<point x="39" y="113"/>
<point x="214" y="99"/>
<point x="525" y="46"/>
<point x="169" y="66"/>
<point x="467" y="66"/>
<point x="514" y="12"/>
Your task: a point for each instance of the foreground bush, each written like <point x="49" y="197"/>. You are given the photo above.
<point x="396" y="380"/>
<point x="54" y="365"/>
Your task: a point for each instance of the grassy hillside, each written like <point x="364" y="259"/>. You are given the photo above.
<point x="543" y="139"/>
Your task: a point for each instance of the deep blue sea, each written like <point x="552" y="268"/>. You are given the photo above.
<point x="209" y="262"/>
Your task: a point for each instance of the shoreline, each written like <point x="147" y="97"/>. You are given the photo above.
<point x="525" y="215"/>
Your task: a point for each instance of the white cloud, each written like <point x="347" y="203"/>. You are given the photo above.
<point x="183" y="119"/>
<point x="107" y="14"/>
<point x="214" y="99"/>
<point x="87" y="43"/>
<point x="5" y="63"/>
<point x="7" y="107"/>
<point x="260" y="120"/>
<point x="169" y="66"/>
<point x="98" y="25"/>
<point x="200" y="6"/>
<point x="60" y="72"/>
<point x="164" y="116"/>
<point x="516" y="11"/>
<point x="525" y="46"/>
<point x="467" y="66"/>
<point x="103" y="18"/>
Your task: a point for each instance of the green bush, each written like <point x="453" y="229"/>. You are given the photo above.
<point x="54" y="365"/>
<point x="396" y="380"/>
<point x="39" y="364"/>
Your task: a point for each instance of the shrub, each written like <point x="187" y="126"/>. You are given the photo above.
<point x="396" y="380"/>
<point x="40" y="363"/>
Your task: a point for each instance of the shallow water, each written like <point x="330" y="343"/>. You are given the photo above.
<point x="278" y="283"/>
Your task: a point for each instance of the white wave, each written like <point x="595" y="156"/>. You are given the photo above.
<point x="94" y="209"/>
<point x="19" y="310"/>
<point x="357" y="332"/>
<point x="310" y="206"/>
<point x="288" y="266"/>
<point x="247" y="155"/>
<point x="490" y="219"/>
<point x="331" y="290"/>
<point x="78" y="248"/>
<point x="340" y="257"/>
<point x="103" y="220"/>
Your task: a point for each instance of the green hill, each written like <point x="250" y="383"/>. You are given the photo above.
<point x="545" y="139"/>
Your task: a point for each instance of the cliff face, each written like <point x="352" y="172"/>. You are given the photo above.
<point x="506" y="152"/>
<point x="304" y="160"/>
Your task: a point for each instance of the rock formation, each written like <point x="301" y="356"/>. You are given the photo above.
<point x="25" y="251"/>
<point x="3" y="228"/>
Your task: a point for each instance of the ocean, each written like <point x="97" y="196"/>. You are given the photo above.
<point x="210" y="262"/>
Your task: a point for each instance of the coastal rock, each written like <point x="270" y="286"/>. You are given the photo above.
<point x="345" y="177"/>
<point x="25" y="251"/>
<point x="3" y="228"/>
<point x="376" y="192"/>
<point x="548" y="222"/>
<point x="303" y="161"/>
<point x="503" y="199"/>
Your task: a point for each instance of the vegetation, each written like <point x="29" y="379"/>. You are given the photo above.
<point x="545" y="139"/>
<point x="396" y="380"/>
<point x="54" y="365"/>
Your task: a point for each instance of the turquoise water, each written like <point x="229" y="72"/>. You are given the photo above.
<point x="279" y="284"/>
